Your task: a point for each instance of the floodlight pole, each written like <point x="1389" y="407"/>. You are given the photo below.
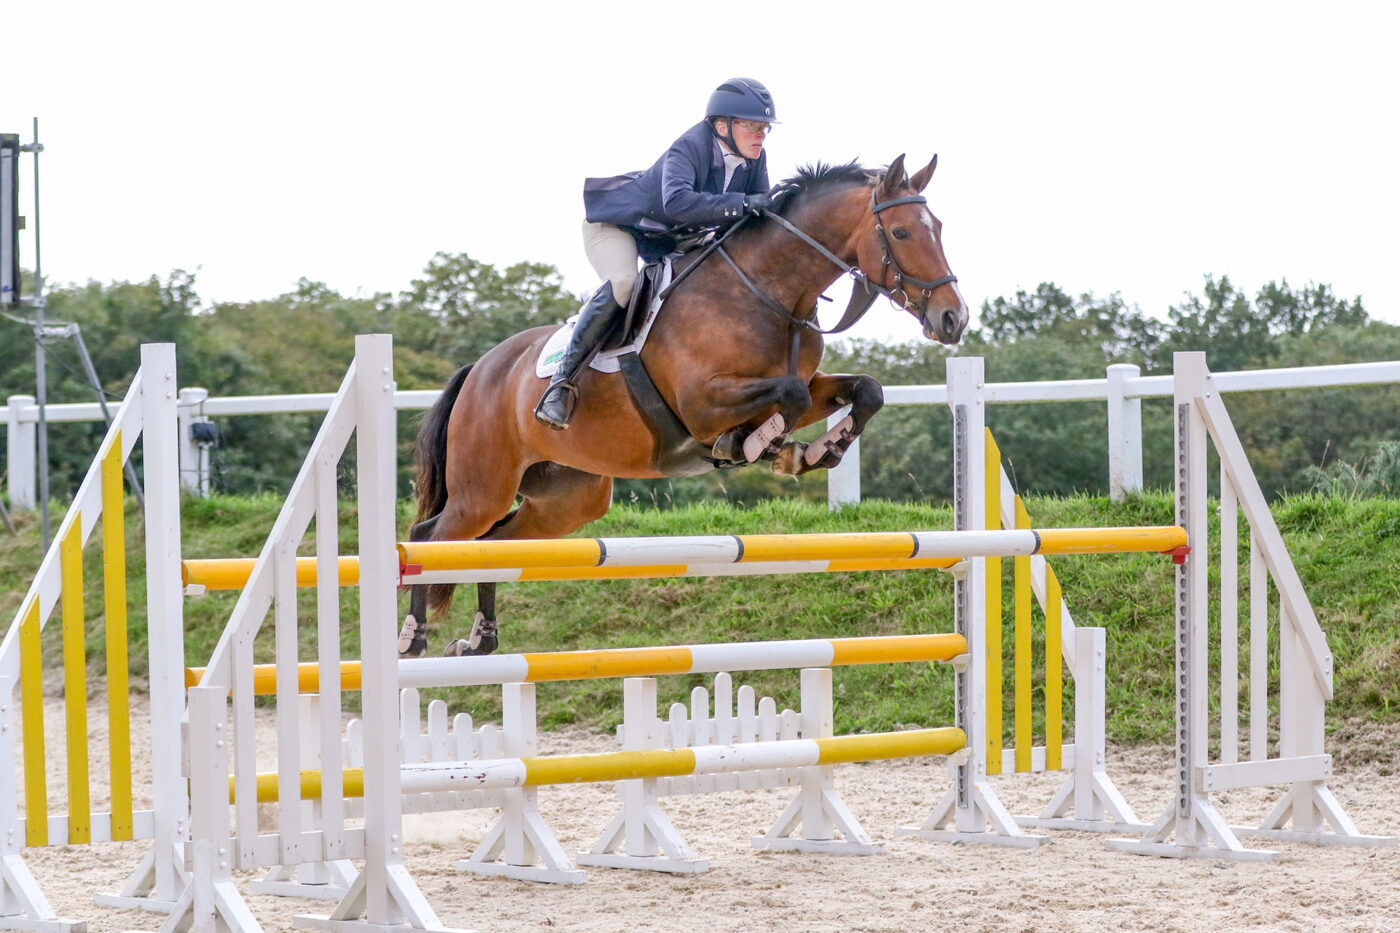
<point x="40" y="374"/>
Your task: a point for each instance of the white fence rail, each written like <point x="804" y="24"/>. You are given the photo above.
<point x="1122" y="390"/>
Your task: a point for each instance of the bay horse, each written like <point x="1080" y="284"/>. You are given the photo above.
<point x="733" y="353"/>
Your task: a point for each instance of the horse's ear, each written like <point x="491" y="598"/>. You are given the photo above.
<point x="894" y="177"/>
<point x="920" y="180"/>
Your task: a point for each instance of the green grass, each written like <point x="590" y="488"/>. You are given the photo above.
<point x="1346" y="551"/>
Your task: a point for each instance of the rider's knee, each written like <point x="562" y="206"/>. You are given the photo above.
<point x="622" y="286"/>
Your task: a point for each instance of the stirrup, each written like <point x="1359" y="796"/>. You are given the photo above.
<point x="567" y="403"/>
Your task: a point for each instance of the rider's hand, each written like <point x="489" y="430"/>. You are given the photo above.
<point x="758" y="203"/>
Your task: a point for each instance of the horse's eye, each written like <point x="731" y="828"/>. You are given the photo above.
<point x="901" y="233"/>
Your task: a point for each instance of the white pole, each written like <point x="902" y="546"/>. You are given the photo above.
<point x="966" y="381"/>
<point x="843" y="480"/>
<point x="165" y="611"/>
<point x="375" y="452"/>
<point x="20" y="442"/>
<point x="1124" y="434"/>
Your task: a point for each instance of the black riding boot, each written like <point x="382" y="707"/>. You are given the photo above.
<point x="595" y="320"/>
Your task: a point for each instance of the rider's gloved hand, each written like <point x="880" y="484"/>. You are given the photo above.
<point x="758" y="203"/>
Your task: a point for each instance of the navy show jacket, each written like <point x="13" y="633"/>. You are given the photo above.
<point x="684" y="188"/>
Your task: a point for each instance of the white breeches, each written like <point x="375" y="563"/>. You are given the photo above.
<point x="613" y="254"/>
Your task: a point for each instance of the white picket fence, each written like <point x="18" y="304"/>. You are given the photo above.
<point x="1122" y="390"/>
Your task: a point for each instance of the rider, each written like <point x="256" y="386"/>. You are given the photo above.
<point x="715" y="171"/>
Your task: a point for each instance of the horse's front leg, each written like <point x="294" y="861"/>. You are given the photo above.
<point x="829" y="395"/>
<point x="741" y="416"/>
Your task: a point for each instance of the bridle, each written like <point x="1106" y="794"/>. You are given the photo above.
<point x="888" y="260"/>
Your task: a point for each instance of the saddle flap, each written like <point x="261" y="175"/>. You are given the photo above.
<point x="648" y="284"/>
<point x="652" y="282"/>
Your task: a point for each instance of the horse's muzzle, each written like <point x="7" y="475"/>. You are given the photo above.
<point x="945" y="322"/>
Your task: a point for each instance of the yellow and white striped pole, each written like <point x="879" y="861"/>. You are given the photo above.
<point x="633" y="662"/>
<point x="498" y="773"/>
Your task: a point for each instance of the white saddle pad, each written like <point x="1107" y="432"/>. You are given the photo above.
<point x="558" y="341"/>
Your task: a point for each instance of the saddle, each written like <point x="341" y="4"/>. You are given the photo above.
<point x="650" y="282"/>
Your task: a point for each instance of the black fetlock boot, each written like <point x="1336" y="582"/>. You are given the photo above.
<point x="595" y="320"/>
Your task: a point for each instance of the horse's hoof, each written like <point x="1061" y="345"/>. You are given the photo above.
<point x="481" y="641"/>
<point x="413" y="637"/>
<point x="790" y="460"/>
<point x="728" y="447"/>
<point x="461" y="648"/>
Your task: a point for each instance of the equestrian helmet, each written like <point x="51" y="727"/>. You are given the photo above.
<point x="742" y="99"/>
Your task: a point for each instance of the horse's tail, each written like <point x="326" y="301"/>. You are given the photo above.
<point x="432" y="448"/>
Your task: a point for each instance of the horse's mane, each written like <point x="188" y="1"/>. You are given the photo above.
<point x="816" y="176"/>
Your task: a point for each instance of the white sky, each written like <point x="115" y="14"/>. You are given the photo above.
<point x="1104" y="147"/>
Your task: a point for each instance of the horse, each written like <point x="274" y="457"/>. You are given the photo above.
<point x="733" y="353"/>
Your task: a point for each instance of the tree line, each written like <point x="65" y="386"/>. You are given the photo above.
<point x="1344" y="440"/>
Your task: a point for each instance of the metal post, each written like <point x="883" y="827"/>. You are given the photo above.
<point x="40" y="376"/>
<point x="194" y="473"/>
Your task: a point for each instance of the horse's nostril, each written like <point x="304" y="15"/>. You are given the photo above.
<point x="950" y="322"/>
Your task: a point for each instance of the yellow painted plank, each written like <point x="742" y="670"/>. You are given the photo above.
<point x="915" y="563"/>
<point x="834" y="546"/>
<point x="1110" y="540"/>
<point x="308" y="677"/>
<point x="231" y="573"/>
<point x="602" y="573"/>
<point x="114" y="606"/>
<point x="1054" y="680"/>
<point x="1022" y="588"/>
<point x="894" y="648"/>
<point x="493" y="555"/>
<point x="31" y="698"/>
<point x="352" y="785"/>
<point x="630" y="662"/>
<point x="880" y="746"/>
<point x="70" y="551"/>
<point x="609" y="766"/>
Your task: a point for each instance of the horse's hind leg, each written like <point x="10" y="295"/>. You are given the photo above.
<point x="464" y="518"/>
<point x="413" y="637"/>
<point x="558" y="500"/>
